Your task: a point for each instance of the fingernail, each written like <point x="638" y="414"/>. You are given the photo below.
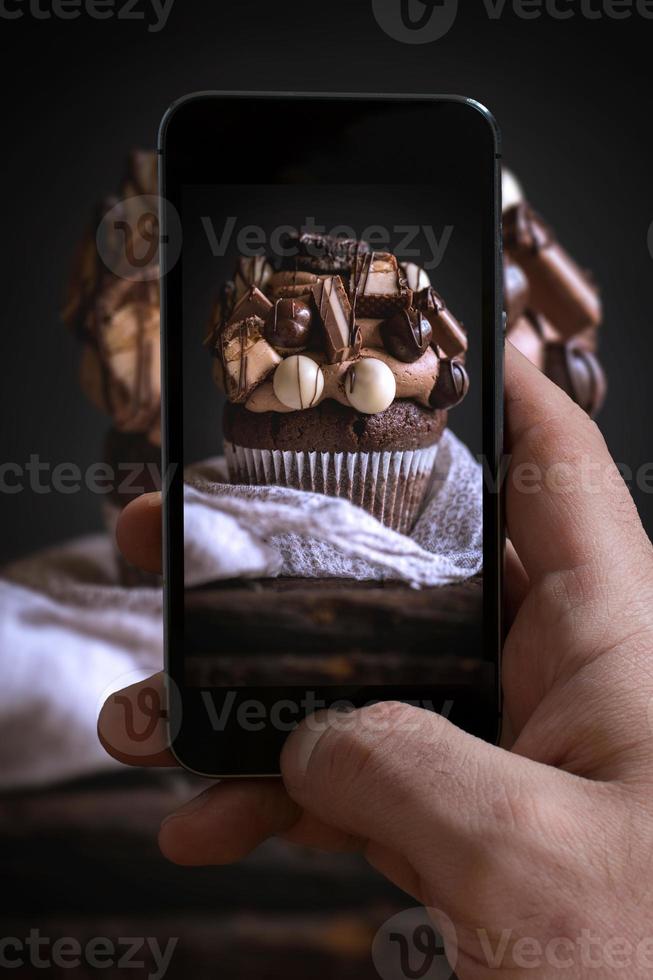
<point x="197" y="803"/>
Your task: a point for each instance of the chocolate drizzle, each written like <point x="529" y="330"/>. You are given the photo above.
<point x="360" y="275"/>
<point x="242" y="371"/>
<point x="350" y="380"/>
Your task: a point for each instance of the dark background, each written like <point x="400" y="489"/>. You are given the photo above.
<point x="572" y="98"/>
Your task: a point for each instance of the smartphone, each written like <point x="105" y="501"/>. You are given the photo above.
<point x="331" y="289"/>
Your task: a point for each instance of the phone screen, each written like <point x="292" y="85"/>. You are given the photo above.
<point x="332" y="413"/>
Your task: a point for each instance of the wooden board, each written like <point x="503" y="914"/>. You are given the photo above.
<point x="333" y="631"/>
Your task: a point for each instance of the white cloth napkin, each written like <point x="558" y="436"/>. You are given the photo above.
<point x="70" y="634"/>
<point x="264" y="531"/>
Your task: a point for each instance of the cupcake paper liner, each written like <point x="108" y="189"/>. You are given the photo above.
<point x="390" y="485"/>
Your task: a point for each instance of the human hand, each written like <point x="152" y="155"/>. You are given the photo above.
<point x="541" y="841"/>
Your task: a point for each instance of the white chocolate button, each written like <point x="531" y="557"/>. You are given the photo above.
<point x="370" y="386"/>
<point x="298" y="382"/>
<point x="511" y="191"/>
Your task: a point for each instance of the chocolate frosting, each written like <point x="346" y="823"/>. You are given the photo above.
<point x="415" y="381"/>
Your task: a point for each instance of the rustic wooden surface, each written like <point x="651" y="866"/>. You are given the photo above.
<point x="333" y="631"/>
<point x="82" y="861"/>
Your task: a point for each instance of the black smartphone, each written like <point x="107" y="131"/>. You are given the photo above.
<point x="332" y="361"/>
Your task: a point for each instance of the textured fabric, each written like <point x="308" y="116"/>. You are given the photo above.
<point x="70" y="634"/>
<point x="262" y="531"/>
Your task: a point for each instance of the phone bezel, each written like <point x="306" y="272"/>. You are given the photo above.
<point x="183" y="160"/>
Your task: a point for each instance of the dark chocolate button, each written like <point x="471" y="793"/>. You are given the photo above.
<point x="452" y="385"/>
<point x="406" y="335"/>
<point x="289" y="324"/>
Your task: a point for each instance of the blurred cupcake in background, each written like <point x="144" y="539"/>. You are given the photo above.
<point x="112" y="306"/>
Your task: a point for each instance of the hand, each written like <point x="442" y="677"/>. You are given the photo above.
<point x="537" y="842"/>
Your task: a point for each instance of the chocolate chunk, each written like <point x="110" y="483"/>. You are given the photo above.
<point x="452" y="385"/>
<point x="245" y="358"/>
<point x="558" y="287"/>
<point x="377" y="286"/>
<point x="448" y="333"/>
<point x="289" y="326"/>
<point x="576" y="371"/>
<point x="321" y="253"/>
<point x="515" y="291"/>
<point x="406" y="335"/>
<point x="341" y="337"/>
<point x="252" y="303"/>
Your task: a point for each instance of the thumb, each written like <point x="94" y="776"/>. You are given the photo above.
<point x="408" y="780"/>
<point x="391" y="772"/>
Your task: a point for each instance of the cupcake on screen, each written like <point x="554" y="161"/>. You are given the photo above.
<point x="339" y="373"/>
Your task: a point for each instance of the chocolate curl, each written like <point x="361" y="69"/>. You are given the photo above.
<point x="576" y="371"/>
<point x="558" y="287"/>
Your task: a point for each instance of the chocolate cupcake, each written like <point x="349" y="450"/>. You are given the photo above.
<point x="338" y="374"/>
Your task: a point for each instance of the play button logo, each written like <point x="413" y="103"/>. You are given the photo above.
<point x="415" y="21"/>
